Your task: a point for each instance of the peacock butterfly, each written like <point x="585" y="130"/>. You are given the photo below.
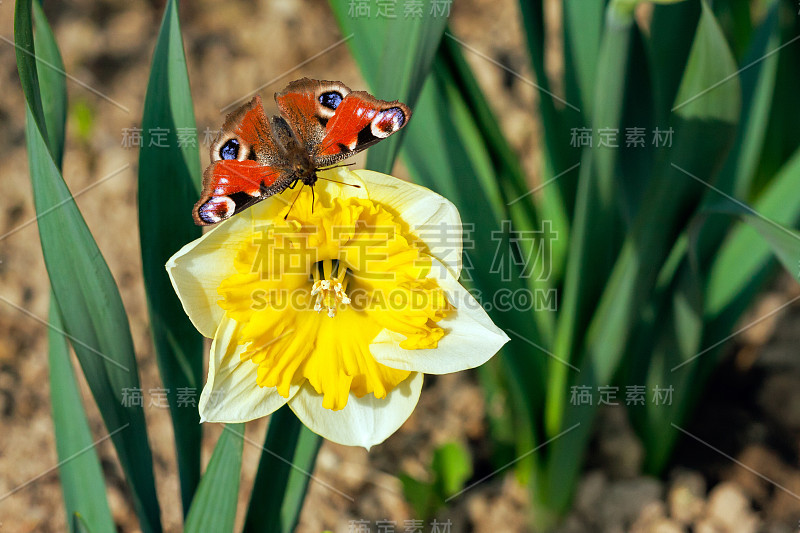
<point x="320" y="123"/>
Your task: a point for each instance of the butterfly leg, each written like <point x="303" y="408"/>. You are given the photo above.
<point x="296" y="196"/>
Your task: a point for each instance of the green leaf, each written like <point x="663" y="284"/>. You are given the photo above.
<point x="452" y="466"/>
<point x="594" y="235"/>
<point x="704" y="129"/>
<point x="50" y="67"/>
<point x="668" y="55"/>
<point x="583" y="30"/>
<point x="784" y="242"/>
<point x="744" y="254"/>
<point x="80" y="474"/>
<point x="555" y="123"/>
<point x="169" y="180"/>
<point x="365" y="38"/>
<point x="214" y="505"/>
<point x="738" y="272"/>
<point x="419" y="495"/>
<point x="661" y="362"/>
<point x="81" y="477"/>
<point x="745" y="262"/>
<point x="673" y="339"/>
<point x="79" y="525"/>
<point x="508" y="175"/>
<point x="26" y="62"/>
<point x="782" y="135"/>
<point x="84" y="289"/>
<point x="758" y="86"/>
<point x="408" y="51"/>
<point x="284" y="471"/>
<point x="397" y="69"/>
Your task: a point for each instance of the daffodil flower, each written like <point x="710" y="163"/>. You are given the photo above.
<point x="336" y="309"/>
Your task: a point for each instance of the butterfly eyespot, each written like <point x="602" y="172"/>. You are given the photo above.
<point x="393" y="119"/>
<point x="330" y="99"/>
<point x="216" y="209"/>
<point x="229" y="150"/>
<point x="387" y="122"/>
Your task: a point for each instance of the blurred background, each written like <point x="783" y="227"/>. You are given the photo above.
<point x="733" y="465"/>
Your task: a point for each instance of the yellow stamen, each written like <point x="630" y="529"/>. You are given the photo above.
<point x="329" y="292"/>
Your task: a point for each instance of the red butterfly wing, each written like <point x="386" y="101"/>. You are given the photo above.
<point x="321" y="123"/>
<point x="307" y="105"/>
<point x="334" y="123"/>
<point x="359" y="122"/>
<point x="246" y="166"/>
<point x="231" y="186"/>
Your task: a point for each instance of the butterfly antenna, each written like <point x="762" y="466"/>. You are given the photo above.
<point x="296" y="196"/>
<point x="338" y="165"/>
<point x="340" y="182"/>
<point x="313" y="199"/>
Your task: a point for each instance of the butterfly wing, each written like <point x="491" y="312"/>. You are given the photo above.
<point x="232" y="186"/>
<point x="307" y="105"/>
<point x="321" y="122"/>
<point x="360" y="121"/>
<point x="247" y="165"/>
<point x="334" y="123"/>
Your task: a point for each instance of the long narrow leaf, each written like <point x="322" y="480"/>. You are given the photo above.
<point x="676" y="341"/>
<point x="444" y="151"/>
<point x="169" y="176"/>
<point x="282" y="478"/>
<point x="85" y="291"/>
<point x="80" y="474"/>
<point x="583" y="30"/>
<point x="594" y="240"/>
<point x="50" y="68"/>
<point x="704" y="129"/>
<point x="214" y="505"/>
<point x="509" y="177"/>
<point x="555" y="123"/>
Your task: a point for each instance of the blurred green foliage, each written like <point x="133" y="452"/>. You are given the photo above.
<point x="451" y="467"/>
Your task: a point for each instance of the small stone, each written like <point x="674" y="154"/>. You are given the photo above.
<point x="651" y="515"/>
<point x="706" y="525"/>
<point x="729" y="509"/>
<point x="624" y="501"/>
<point x="666" y="526"/>
<point x="759" y="459"/>
<point x="686" y="497"/>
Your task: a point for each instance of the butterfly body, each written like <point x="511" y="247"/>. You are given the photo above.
<point x="320" y="124"/>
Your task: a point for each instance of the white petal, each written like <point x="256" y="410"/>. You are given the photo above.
<point x="197" y="270"/>
<point x="231" y="393"/>
<point x="345" y="184"/>
<point x="364" y="421"/>
<point x="470" y="339"/>
<point x="433" y="218"/>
